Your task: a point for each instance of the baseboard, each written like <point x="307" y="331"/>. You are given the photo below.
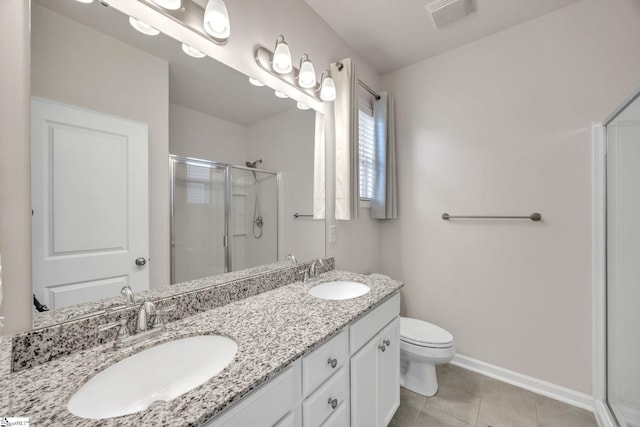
<point x="563" y="394"/>
<point x="604" y="416"/>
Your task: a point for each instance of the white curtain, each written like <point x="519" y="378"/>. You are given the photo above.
<point x="384" y="204"/>
<point x="318" y="169"/>
<point x="346" y="125"/>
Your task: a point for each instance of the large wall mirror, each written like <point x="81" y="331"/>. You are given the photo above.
<point x="152" y="167"/>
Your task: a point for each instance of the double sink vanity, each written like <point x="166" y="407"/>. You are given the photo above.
<point x="322" y="352"/>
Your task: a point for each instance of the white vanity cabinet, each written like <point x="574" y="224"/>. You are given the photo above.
<point x="351" y="380"/>
<point x="325" y="383"/>
<point x="375" y="366"/>
<point x="274" y="403"/>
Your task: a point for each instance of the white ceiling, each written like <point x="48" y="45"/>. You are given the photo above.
<point x="391" y="34"/>
<point x="204" y="85"/>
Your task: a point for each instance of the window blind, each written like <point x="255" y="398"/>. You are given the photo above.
<point x="366" y="150"/>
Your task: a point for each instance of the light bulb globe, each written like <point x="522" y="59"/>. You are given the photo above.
<point x="216" y="19"/>
<point x="307" y="77"/>
<point x="143" y="27"/>
<point x="328" y="89"/>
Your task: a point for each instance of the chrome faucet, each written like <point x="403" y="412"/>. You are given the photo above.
<point x="312" y="267"/>
<point x="127" y="293"/>
<point x="147" y="313"/>
<point x="292" y="259"/>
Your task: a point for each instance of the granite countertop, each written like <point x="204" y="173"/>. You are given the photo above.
<point x="272" y="330"/>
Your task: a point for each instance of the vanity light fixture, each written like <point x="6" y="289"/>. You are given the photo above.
<point x="192" y="51"/>
<point x="278" y="64"/>
<point x="281" y="62"/>
<point x="143" y="27"/>
<point x="327" y="88"/>
<point x="307" y="76"/>
<point x="85" y="1"/>
<point x="216" y="20"/>
<point x="281" y="95"/>
<point x="255" y="82"/>
<point x="169" y="4"/>
<point x="302" y="106"/>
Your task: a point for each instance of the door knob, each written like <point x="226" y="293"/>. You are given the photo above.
<point x="141" y="261"/>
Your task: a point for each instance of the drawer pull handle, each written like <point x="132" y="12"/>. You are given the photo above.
<point x="333" y="403"/>
<point x="387" y="343"/>
<point x="382" y="347"/>
<point x="333" y="362"/>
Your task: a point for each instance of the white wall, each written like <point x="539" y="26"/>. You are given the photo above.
<point x="15" y="161"/>
<point x="503" y="126"/>
<point x="285" y="143"/>
<point x="194" y="134"/>
<point x="77" y="65"/>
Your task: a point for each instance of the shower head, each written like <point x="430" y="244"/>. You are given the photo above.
<point x="253" y="165"/>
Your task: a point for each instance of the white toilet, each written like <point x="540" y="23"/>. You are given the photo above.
<point x="422" y="347"/>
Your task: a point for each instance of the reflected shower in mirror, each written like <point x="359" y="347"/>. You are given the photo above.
<point x="110" y="105"/>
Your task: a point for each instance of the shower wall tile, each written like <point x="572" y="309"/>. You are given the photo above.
<point x="49" y="343"/>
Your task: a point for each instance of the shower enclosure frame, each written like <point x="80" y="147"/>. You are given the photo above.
<point x="228" y="188"/>
<point x="602" y="410"/>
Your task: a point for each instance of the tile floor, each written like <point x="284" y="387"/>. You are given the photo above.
<point x="466" y="399"/>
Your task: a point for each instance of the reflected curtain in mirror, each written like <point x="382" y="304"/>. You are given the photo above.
<point x="319" y="168"/>
<point x="384" y="203"/>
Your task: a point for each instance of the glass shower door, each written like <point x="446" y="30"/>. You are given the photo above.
<point x="198" y="210"/>
<point x="254" y="219"/>
<point x="623" y="265"/>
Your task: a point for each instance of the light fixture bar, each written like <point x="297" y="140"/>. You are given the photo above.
<point x="264" y="57"/>
<point x="190" y="16"/>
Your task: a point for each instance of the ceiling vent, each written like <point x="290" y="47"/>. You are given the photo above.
<point x="444" y="12"/>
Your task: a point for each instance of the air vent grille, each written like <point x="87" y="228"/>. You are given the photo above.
<point x="444" y="12"/>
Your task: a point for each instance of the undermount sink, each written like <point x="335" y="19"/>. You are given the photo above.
<point x="158" y="374"/>
<point x="339" y="290"/>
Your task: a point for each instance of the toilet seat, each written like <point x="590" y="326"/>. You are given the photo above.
<point x="424" y="334"/>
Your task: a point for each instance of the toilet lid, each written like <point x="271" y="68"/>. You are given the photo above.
<point x="424" y="334"/>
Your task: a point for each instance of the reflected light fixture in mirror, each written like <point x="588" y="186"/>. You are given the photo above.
<point x="327" y="88"/>
<point x="281" y="95"/>
<point x="282" y="57"/>
<point x="216" y="19"/>
<point x="307" y="76"/>
<point x="169" y="4"/>
<point x="143" y="27"/>
<point x="85" y="1"/>
<point x="302" y="106"/>
<point x="191" y="51"/>
<point x="255" y="82"/>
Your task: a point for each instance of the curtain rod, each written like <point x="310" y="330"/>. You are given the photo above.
<point x="363" y="84"/>
<point x="368" y="89"/>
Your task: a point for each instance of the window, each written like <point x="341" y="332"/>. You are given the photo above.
<point x="366" y="150"/>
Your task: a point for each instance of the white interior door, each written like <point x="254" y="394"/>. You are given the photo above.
<point x="89" y="186"/>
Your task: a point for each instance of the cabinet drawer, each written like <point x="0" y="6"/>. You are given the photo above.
<point x="269" y="404"/>
<point x="362" y="330"/>
<point x="318" y="407"/>
<point x="340" y="418"/>
<point x="324" y="361"/>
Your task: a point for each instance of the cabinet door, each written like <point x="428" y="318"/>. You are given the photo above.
<point x="364" y="385"/>
<point x="389" y="372"/>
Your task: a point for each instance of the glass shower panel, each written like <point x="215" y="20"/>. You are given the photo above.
<point x="623" y="266"/>
<point x="254" y="219"/>
<point x="198" y="220"/>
